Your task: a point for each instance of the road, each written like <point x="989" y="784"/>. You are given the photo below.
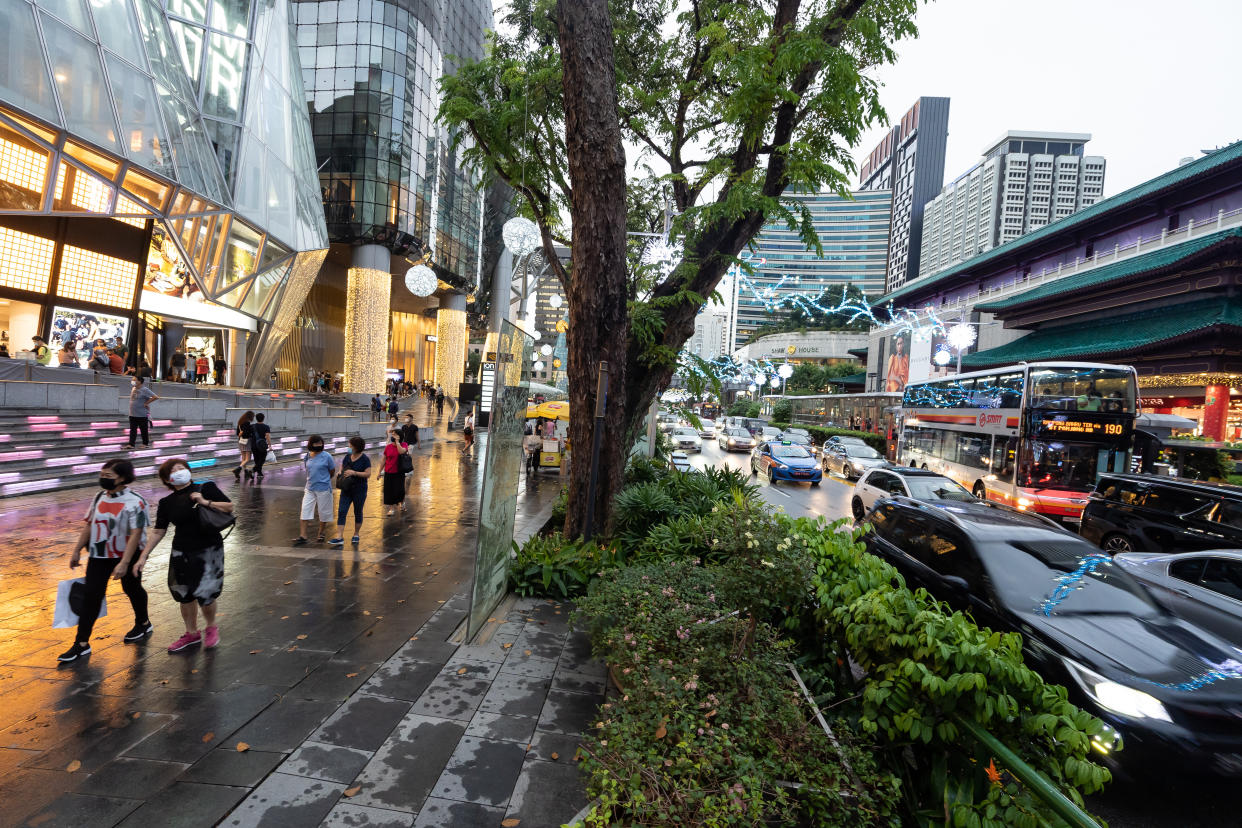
<point x="1175" y="801"/>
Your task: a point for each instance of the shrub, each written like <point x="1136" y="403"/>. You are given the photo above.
<point x="782" y="411"/>
<point x="549" y="566"/>
<point x="739" y="408"/>
<point x="754" y="410"/>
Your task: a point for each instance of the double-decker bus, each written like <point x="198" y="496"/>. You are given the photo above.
<point x="1035" y="436"/>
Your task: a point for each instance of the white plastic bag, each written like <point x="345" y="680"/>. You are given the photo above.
<point x="64" y="615"/>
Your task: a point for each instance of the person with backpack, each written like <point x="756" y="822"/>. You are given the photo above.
<point x="202" y="368"/>
<point x="245" y="439"/>
<point x="397" y="464"/>
<point x="317" y="498"/>
<point x="259" y="445"/>
<point x="196" y="563"/>
<point x="352" y="481"/>
<point x="116" y="526"/>
<point x="221" y="366"/>
<point x="532" y="444"/>
<point x="439" y="400"/>
<point x="392" y="407"/>
<point x="377" y="408"/>
<point x="99" y="357"/>
<point x="467" y="431"/>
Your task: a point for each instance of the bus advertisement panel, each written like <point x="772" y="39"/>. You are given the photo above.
<point x="1033" y="436"/>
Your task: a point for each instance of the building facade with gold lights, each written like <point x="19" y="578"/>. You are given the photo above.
<point x="1150" y="277"/>
<point x="157" y="179"/>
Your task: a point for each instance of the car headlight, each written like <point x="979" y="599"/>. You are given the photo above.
<point x="782" y="466"/>
<point x="1119" y="698"/>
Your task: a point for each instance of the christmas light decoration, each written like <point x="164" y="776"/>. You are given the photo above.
<point x="545" y="349"/>
<point x="521" y="236"/>
<point x="367" y="294"/>
<point x="535" y="334"/>
<point x="539" y="366"/>
<point x="785" y="371"/>
<point x="662" y="256"/>
<point x="420" y="280"/>
<point x="961" y="336"/>
<point x="554" y="300"/>
<point x="942" y="356"/>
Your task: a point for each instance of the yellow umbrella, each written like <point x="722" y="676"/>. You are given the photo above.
<point x="555" y="410"/>
<point x="532" y="411"/>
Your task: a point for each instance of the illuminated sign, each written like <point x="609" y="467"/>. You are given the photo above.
<point x="1084" y="427"/>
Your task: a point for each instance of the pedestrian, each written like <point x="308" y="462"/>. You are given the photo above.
<point x="116" y="526"/>
<point x="43" y="354"/>
<point x="140" y="399"/>
<point x="392" y="406"/>
<point x="176" y="366"/>
<point x="245" y="437"/>
<point x="99" y="357"/>
<point x="310" y="380"/>
<point x="118" y="345"/>
<point x="531" y="444"/>
<point x="317" y="498"/>
<point x="202" y="367"/>
<point x="467" y="431"/>
<point x="221" y="366"/>
<point x="116" y="365"/>
<point x="354" y="473"/>
<point x="409" y="431"/>
<point x="439" y="400"/>
<point x="196" y="564"/>
<point x="376" y="408"/>
<point x="392" y="470"/>
<point x="67" y="356"/>
<point x="271" y="381"/>
<point x="260" y="442"/>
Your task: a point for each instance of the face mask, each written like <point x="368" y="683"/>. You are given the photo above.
<point x="180" y="477"/>
<point x="133" y="385"/>
<point x="107" y="482"/>
<point x="315" y="447"/>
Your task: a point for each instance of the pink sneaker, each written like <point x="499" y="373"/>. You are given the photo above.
<point x="187" y="640"/>
<point x="211" y="637"/>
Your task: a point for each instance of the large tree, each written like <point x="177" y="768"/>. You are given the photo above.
<point x="727" y="105"/>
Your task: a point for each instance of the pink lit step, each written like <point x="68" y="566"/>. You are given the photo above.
<point x="43" y="419"/>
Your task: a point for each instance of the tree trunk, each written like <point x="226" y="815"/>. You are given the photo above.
<point x="598" y="318"/>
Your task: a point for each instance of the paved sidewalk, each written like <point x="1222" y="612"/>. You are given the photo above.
<point x="320" y="646"/>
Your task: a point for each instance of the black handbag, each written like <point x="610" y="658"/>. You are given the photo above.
<point x="211" y="520"/>
<point x="405" y="463"/>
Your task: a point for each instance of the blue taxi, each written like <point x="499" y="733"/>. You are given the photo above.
<point x="785" y="460"/>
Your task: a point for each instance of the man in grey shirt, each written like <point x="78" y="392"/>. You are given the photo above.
<point x="140" y="399"/>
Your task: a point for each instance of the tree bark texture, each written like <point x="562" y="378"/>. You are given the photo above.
<point x="598" y="317"/>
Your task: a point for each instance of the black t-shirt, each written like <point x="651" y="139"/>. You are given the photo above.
<point x="409" y="434"/>
<point x="259" y="432"/>
<point x="178" y="509"/>
<point x="246" y="431"/>
<point x="362" y="464"/>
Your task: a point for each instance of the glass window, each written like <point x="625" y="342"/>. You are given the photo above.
<point x="72" y="12"/>
<point x="93" y="277"/>
<point x="224" y="81"/>
<point x="1030" y="574"/>
<point x="240" y="254"/>
<point x="195" y="10"/>
<point x="264" y="285"/>
<point x="79" y="77"/>
<point x="189" y="40"/>
<point x="1064" y="465"/>
<point x="232" y="16"/>
<point x="1223" y="576"/>
<point x="23" y="171"/>
<point x="1189" y="570"/>
<point x="25" y="261"/>
<point x="1083" y="389"/>
<point x="117" y="29"/>
<point x="1229" y="512"/>
<point x="144" y="138"/>
<point x="937" y="488"/>
<point x="789" y="451"/>
<point x="1175" y="501"/>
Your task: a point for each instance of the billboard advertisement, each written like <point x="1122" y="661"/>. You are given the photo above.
<point x="897" y="366"/>
<point x="83" y="328"/>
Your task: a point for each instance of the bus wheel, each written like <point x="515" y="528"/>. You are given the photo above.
<point x="981" y="491"/>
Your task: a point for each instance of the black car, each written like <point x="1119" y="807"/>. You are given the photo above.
<point x="1171" y="689"/>
<point x="1149" y="513"/>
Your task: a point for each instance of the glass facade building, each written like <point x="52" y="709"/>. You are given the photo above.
<point x="854" y="235"/>
<point x="156" y="169"/>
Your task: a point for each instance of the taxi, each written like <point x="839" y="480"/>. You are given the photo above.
<point x="785" y="460"/>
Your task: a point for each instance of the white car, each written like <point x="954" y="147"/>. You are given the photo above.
<point x="686" y="439"/>
<point x="902" y="481"/>
<point x="678" y="461"/>
<point x="707" y="427"/>
<point x="768" y="434"/>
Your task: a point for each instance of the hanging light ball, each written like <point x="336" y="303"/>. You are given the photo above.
<point x="521" y="235"/>
<point x="760" y="379"/>
<point x="942" y="356"/>
<point x="753" y="388"/>
<point x="554" y="300"/>
<point x="420" y="280"/>
<point x="961" y="336"/>
<point x="785" y="371"/>
<point x="536" y="335"/>
<point x="546" y="350"/>
<point x="539" y="366"/>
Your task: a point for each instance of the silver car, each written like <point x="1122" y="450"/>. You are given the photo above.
<point x="686" y="439"/>
<point x="1204" y="588"/>
<point x="736" y="439"/>
<point x="851" y="459"/>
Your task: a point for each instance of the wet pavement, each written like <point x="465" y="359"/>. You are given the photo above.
<point x="334" y="695"/>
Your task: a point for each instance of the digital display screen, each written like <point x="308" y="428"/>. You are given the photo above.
<point x="1081" y="427"/>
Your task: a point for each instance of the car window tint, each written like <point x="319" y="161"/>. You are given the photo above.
<point x="1229" y="512"/>
<point x="879" y="480"/>
<point x="950" y="554"/>
<point x="1189" y="570"/>
<point x="790" y="451"/>
<point x="1175" y="501"/>
<point x="1223" y="576"/>
<point x="895" y="486"/>
<point x="882" y="520"/>
<point x="937" y="488"/>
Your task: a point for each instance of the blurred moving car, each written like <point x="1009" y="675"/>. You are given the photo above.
<point x="686" y="439"/>
<point x="851" y="459"/>
<point x="769" y="433"/>
<point x="1149" y="513"/>
<point x="801" y="431"/>
<point x="785" y="461"/>
<point x="901" y="481"/>
<point x="667" y="422"/>
<point x="736" y="439"/>
<point x="837" y="438"/>
<point x="799" y="440"/>
<point x="1203" y="587"/>
<point x="707" y="427"/>
<point x="678" y="461"/>
<point x="1167" y="686"/>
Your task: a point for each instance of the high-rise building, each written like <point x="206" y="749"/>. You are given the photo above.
<point x="854" y="235"/>
<point x="1024" y="181"/>
<point x="157" y="181"/>
<point x="395" y="192"/>
<point x="910" y="163"/>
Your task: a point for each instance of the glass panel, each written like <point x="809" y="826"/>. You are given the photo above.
<point x="148" y="189"/>
<point x="93" y="277"/>
<point x="202" y="241"/>
<point x="195" y="10"/>
<point x="240" y="255"/>
<point x="233" y="298"/>
<point x="181" y="204"/>
<point x="162" y="52"/>
<point x="102" y="164"/>
<point x="276" y="117"/>
<point x="232" y="16"/>
<point x="23" y="74"/>
<point x="211" y="262"/>
<point x="264" y="287"/>
<point x="250" y="192"/>
<point x="72" y="12"/>
<point x="23" y="171"/>
<point x="79" y="191"/>
<point x="37" y="130"/>
<point x="79" y="77"/>
<point x="281" y="190"/>
<point x="118" y="30"/>
<point x="145" y="139"/>
<point x="189" y="42"/>
<point x="127" y="206"/>
<point x="224" y="139"/>
<point x="25" y="261"/>
<point x="224" y="81"/>
<point x="189" y="234"/>
<point x="273" y="252"/>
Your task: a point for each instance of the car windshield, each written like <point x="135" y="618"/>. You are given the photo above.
<point x="936" y="488"/>
<point x="854" y="441"/>
<point x="1064" y="577"/>
<point x="789" y="451"/>
<point x="796" y="439"/>
<point x="856" y="450"/>
<point x="738" y="432"/>
<point x="685" y="432"/>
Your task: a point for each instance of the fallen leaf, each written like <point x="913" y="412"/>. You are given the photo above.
<point x="306" y="613"/>
<point x="353" y="791"/>
<point x="400" y="600"/>
<point x="661" y="732"/>
<point x="284" y="618"/>
<point x="288" y="582"/>
<point x="195" y="670"/>
<point x="510" y="823"/>
<point x="302" y="637"/>
<point x="416" y="583"/>
<point x="208" y="736"/>
<point x="414" y="638"/>
<point x="555" y="756"/>
<point x="491" y="620"/>
<point x="291" y="649"/>
<point x="439" y="602"/>
<point x="165" y="681"/>
<point x="137" y="715"/>
<point x="350" y="675"/>
<point x="255" y="652"/>
<point x="506" y="646"/>
<point x="461" y="671"/>
<point x="710" y="714"/>
<point x="370" y="632"/>
<point x="525" y="652"/>
<point x="73" y="766"/>
<point x="242" y="747"/>
<point x="366" y="612"/>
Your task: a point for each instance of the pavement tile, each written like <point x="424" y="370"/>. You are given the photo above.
<point x="540" y="642"/>
<point x="219" y="714"/>
<point x="346" y="815"/>
<point x="73" y="809"/>
<point x="331" y="762"/>
<point x="285" y="724"/>
<point x="446" y="813"/>
<point x="403" y="771"/>
<point x="545" y="743"/>
<point x="503" y="728"/>
<point x="226" y="766"/>
<point x="362" y="722"/>
<point x="334" y="679"/>
<point x="471" y="668"/>
<point x="132" y="778"/>
<point x="516" y="695"/>
<point x="451" y="696"/>
<point x="402" y="678"/>
<point x="284" y="800"/>
<point x="186" y="805"/>
<point x="429" y="647"/>
<point x="482" y="771"/>
<point x="566" y="712"/>
<point x="547" y="793"/>
<point x="520" y="664"/>
<point x="579" y="682"/>
<point x="102" y="742"/>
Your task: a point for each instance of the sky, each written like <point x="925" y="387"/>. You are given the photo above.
<point x="1152" y="82"/>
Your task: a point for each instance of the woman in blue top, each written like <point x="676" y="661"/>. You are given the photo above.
<point x="355" y="468"/>
<point x="318" y="495"/>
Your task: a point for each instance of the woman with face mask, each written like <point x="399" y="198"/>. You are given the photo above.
<point x="140" y="399"/>
<point x="196" y="565"/>
<point x="390" y="470"/>
<point x="317" y="499"/>
<point x="116" y="525"/>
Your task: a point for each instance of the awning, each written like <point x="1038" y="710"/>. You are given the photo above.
<point x="1169" y="421"/>
<point x="1114" y="338"/>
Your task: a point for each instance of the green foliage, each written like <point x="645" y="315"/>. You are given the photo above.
<point x="924" y="664"/>
<point x="808" y="378"/>
<point x="739" y="408"/>
<point x="819" y="434"/>
<point x="754" y="410"/>
<point x="549" y="566"/>
<point x="782" y="411"/>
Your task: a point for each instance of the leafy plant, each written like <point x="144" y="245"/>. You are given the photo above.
<point x="739" y="408"/>
<point x="782" y="411"/>
<point x="549" y="566"/>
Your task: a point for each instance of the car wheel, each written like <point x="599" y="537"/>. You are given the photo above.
<point x="981" y="491"/>
<point x="1116" y="544"/>
<point x="771" y="478"/>
<point x="814" y="483"/>
<point x="856" y="507"/>
<point x="753" y="470"/>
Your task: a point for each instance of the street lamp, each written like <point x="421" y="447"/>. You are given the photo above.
<point x="785" y="372"/>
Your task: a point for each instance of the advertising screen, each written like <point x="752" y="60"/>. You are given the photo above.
<point x="83" y="328"/>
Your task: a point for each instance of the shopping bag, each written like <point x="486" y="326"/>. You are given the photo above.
<point x="67" y="600"/>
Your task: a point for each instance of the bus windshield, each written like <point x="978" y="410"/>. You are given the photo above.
<point x="1110" y="390"/>
<point x="1070" y="466"/>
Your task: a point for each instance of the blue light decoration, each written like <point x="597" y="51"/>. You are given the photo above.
<point x="1067" y="583"/>
<point x="198" y="464"/>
